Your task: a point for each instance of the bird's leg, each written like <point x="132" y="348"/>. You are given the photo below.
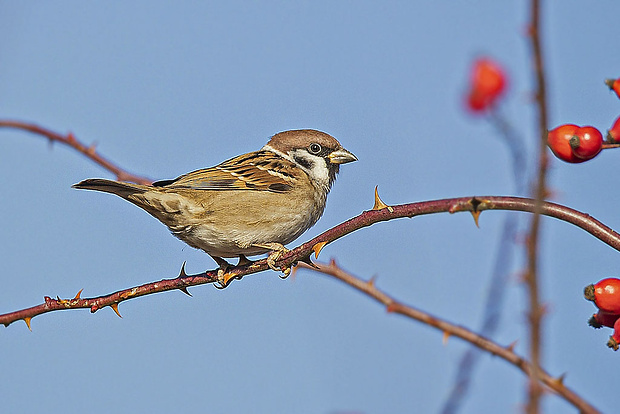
<point x="221" y="271"/>
<point x="244" y="261"/>
<point x="277" y="251"/>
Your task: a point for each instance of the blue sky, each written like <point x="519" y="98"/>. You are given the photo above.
<point x="164" y="88"/>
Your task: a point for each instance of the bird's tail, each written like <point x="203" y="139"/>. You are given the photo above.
<point x="121" y="189"/>
<point x="153" y="200"/>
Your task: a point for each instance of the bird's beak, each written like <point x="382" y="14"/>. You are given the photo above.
<point x="341" y="156"/>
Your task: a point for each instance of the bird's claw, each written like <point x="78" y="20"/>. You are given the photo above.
<point x="222" y="282"/>
<point x="277" y="251"/>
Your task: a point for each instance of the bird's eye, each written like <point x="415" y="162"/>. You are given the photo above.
<point x="314" y="148"/>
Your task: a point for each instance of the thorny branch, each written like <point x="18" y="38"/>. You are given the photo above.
<point x="88" y="150"/>
<point x="531" y="278"/>
<point x="507" y="353"/>
<point x="379" y="213"/>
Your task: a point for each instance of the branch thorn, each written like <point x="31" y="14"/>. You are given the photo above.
<point x="560" y="380"/>
<point x="475" y="203"/>
<point x="445" y="337"/>
<point x="372" y="280"/>
<point x="27" y="319"/>
<point x="476" y="216"/>
<point x="317" y="248"/>
<point x="114" y="307"/>
<point x="182" y="272"/>
<point x="184" y="290"/>
<point x="77" y="296"/>
<point x="379" y="204"/>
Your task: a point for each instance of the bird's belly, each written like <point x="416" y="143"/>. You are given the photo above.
<point x="241" y="237"/>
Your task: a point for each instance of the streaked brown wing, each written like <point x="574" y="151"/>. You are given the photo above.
<point x="259" y="171"/>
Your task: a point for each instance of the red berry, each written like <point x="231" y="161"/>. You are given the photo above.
<point x="614" y="85"/>
<point x="613" y="134"/>
<point x="477" y="101"/>
<point x="558" y="140"/>
<point x="607" y="295"/>
<point x="588" y="142"/>
<point x="601" y="319"/>
<point x="575" y="144"/>
<point x="487" y="83"/>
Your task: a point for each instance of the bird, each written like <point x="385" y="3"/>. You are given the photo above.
<point x="249" y="205"/>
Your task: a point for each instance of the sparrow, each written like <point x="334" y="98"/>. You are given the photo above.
<point x="251" y="204"/>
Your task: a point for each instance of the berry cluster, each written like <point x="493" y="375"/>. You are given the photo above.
<point x="606" y="296"/>
<point x="575" y="144"/>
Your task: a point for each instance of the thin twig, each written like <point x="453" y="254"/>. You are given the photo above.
<point x="88" y="150"/>
<point x="449" y="329"/>
<point x="502" y="269"/>
<point x="302" y="253"/>
<point x="531" y="276"/>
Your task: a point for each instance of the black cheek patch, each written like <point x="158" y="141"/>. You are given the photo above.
<point x="304" y="162"/>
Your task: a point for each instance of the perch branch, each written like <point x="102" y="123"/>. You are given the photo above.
<point x="302" y="253"/>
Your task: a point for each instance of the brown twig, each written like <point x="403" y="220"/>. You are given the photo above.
<point x="507" y="248"/>
<point x="449" y="329"/>
<point x="531" y="276"/>
<point x="88" y="150"/>
<point x="380" y="213"/>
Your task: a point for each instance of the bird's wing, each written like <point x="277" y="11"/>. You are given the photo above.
<point x="259" y="171"/>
